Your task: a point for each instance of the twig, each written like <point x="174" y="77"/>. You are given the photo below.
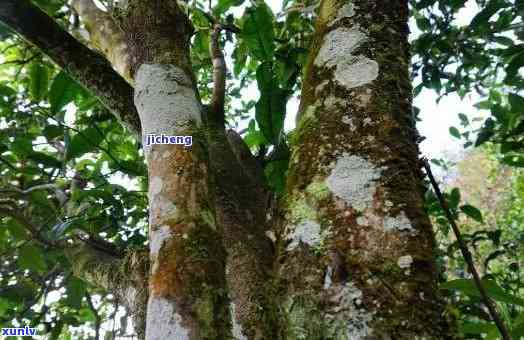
<point x="219" y="75"/>
<point x="467" y="256"/>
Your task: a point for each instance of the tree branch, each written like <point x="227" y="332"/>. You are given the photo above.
<point x="125" y="277"/>
<point x="219" y="76"/>
<point x="88" y="68"/>
<point x="105" y="35"/>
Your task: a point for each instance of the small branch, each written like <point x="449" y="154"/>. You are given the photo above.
<point x="219" y="75"/>
<point x="467" y="256"/>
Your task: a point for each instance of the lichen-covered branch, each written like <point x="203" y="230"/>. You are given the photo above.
<point x="124" y="277"/>
<point x="241" y="209"/>
<point x="87" y="67"/>
<point x="105" y="35"/>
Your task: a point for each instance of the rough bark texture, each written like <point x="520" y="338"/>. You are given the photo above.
<point x="187" y="297"/>
<point x="88" y="68"/>
<point x="124" y="277"/>
<point x="359" y="264"/>
<point x="241" y="202"/>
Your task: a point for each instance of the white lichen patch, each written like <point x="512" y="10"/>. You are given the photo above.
<point x="238" y="333"/>
<point x="165" y="100"/>
<point x="346" y="11"/>
<point x="155" y="187"/>
<point x="337" y="51"/>
<point x="347" y="120"/>
<point x="357" y="72"/>
<point x="338" y="45"/>
<point x="347" y="313"/>
<point x="307" y="232"/>
<point x="353" y="179"/>
<point x="405" y="261"/>
<point x="327" y="278"/>
<point x="367" y="121"/>
<point x="363" y="100"/>
<point x="331" y="101"/>
<point x="399" y="222"/>
<point x="163" y="321"/>
<point x="157" y="239"/>
<point x="166" y="208"/>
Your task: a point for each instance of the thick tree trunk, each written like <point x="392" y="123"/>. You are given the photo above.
<point x="359" y="264"/>
<point x="187" y="290"/>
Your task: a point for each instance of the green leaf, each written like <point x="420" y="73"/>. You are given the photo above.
<point x="476" y="327"/>
<point x="487" y="131"/>
<point x="516" y="102"/>
<point x="83" y="142"/>
<point x="270" y="112"/>
<point x="22" y="146"/>
<point x="517" y="161"/>
<point x="52" y="131"/>
<point x="44" y="159"/>
<point x="513" y="67"/>
<point x="454" y="198"/>
<point x="464" y="121"/>
<point x="480" y="21"/>
<point x="223" y="5"/>
<point x="472" y="212"/>
<point x="63" y="91"/>
<point x="39" y="79"/>
<point x="76" y="290"/>
<point x="254" y="137"/>
<point x="258" y="32"/>
<point x="276" y="168"/>
<point x="494" y="291"/>
<point x="454" y="132"/>
<point x="31" y="258"/>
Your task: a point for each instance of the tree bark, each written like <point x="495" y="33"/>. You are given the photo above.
<point x="359" y="260"/>
<point x="187" y="289"/>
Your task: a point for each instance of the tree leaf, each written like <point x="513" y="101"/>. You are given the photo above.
<point x="63" y="91"/>
<point x="270" y="112"/>
<point x="454" y="132"/>
<point x="258" y="32"/>
<point x="494" y="291"/>
<point x="39" y="80"/>
<point x="76" y="290"/>
<point x="30" y="257"/>
<point x="472" y="212"/>
<point x="83" y="142"/>
<point x="480" y="20"/>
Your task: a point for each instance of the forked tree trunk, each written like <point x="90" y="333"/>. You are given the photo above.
<point x="354" y="258"/>
<point x="352" y="250"/>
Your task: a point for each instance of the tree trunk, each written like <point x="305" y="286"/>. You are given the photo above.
<point x="351" y="248"/>
<point x="359" y="263"/>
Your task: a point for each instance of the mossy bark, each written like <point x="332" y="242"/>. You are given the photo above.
<point x="187" y="289"/>
<point x="360" y="263"/>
